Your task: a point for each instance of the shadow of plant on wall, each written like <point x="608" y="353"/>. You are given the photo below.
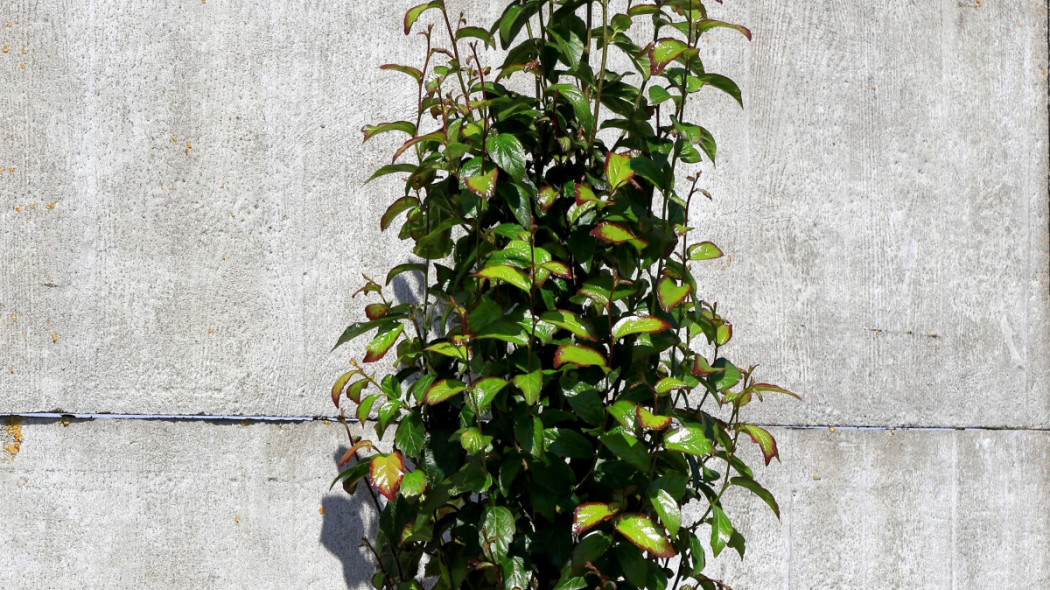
<point x="342" y="528"/>
<point x="560" y="389"/>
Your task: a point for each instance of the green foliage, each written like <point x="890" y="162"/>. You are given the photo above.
<point x="560" y="392"/>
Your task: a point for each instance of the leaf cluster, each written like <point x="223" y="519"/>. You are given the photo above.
<point x="560" y="392"/>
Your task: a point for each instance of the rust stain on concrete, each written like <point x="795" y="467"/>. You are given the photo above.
<point x="13" y="431"/>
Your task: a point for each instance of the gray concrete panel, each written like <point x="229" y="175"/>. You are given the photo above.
<point x="133" y="504"/>
<point x="182" y="218"/>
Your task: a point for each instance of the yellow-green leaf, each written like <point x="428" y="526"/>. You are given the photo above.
<point x="569" y="321"/>
<point x="530" y="385"/>
<point x="668" y="383"/>
<point x="584" y="194"/>
<point x="546" y="197"/>
<point x="483" y="185"/>
<point x="442" y="390"/>
<point x="485" y="391"/>
<point x="413" y="13"/>
<point x="689" y="439"/>
<point x="414" y="72"/>
<point x="618" y="170"/>
<point x="663" y="52"/>
<point x="505" y="273"/>
<point x="645" y="534"/>
<point x="371" y="131"/>
<point x="704" y="251"/>
<point x="668" y="510"/>
<point x="639" y="325"/>
<point x="352" y="451"/>
<point x="456" y="351"/>
<point x="413" y="484"/>
<point x="382" y="342"/>
<point x="588" y="515"/>
<point x="671" y="294"/>
<point x="385" y="473"/>
<point x="581" y="356"/>
<point x="650" y="421"/>
<point x="340" y="383"/>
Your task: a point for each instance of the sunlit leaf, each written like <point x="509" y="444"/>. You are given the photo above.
<point x="761" y="388"/>
<point x="374" y="311"/>
<point x="689" y="439"/>
<point x="371" y="131"/>
<point x="476" y="33"/>
<point x="641" y="531"/>
<point x="382" y="342"/>
<point x="650" y="421"/>
<point x="472" y="440"/>
<point x="624" y="411"/>
<point x="721" y="530"/>
<point x="729" y="376"/>
<point x="413" y="484"/>
<point x="385" y="473"/>
<point x="483" y="185"/>
<point x="581" y="356"/>
<point x="639" y="325"/>
<point x="723" y="333"/>
<point x="588" y="515"/>
<point x="396" y="208"/>
<point x="505" y="273"/>
<point x="663" y="52"/>
<point x="414" y="72"/>
<point x="507" y="152"/>
<point x="763" y="439"/>
<point x="449" y="349"/>
<point x="704" y="251"/>
<point x="413" y="13"/>
<point x="438" y="136"/>
<point x="546" y="197"/>
<point x="443" y="390"/>
<point x="668" y="510"/>
<point x="671" y="294"/>
<point x="669" y="383"/>
<point x="559" y="269"/>
<point x="353" y="392"/>
<point x="340" y="384"/>
<point x="584" y="194"/>
<point x="724" y="84"/>
<point x="704" y="25"/>
<point x="569" y="321"/>
<point x="485" y="391"/>
<point x="618" y="170"/>
<point x="530" y="385"/>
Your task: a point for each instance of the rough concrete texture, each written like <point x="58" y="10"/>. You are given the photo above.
<point x="133" y="504"/>
<point x="182" y="218"/>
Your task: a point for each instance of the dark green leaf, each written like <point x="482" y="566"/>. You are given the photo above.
<point x="506" y="151"/>
<point x="753" y="486"/>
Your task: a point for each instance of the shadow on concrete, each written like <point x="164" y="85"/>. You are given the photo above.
<point x="342" y="528"/>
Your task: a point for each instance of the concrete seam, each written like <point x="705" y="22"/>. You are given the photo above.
<point x="298" y="419"/>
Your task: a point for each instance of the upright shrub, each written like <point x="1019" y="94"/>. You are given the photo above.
<point x="560" y="393"/>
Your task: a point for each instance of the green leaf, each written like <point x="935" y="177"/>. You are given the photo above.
<point x="353" y="393"/>
<point x="351" y="476"/>
<point x="721" y="530"/>
<point x="396" y="208"/>
<point x="753" y="486"/>
<point x="704" y="25"/>
<point x="406" y="267"/>
<point x="476" y="33"/>
<point x="497" y="532"/>
<point x="414" y="72"/>
<point x="505" y="273"/>
<point x="763" y="439"/>
<point x="729" y="376"/>
<point x="392" y="169"/>
<point x="515" y="575"/>
<point x="581" y="356"/>
<point x="565" y="442"/>
<point x="365" y="407"/>
<point x="668" y="510"/>
<point x="371" y="131"/>
<point x="658" y="94"/>
<point x="506" y="151"/>
<point x="704" y="251"/>
<point x="472" y="440"/>
<point x="340" y="384"/>
<point x="618" y="170"/>
<point x="668" y="383"/>
<point x="587" y="405"/>
<point x="483" y="185"/>
<point x="613" y="232"/>
<point x="584" y="194"/>
<point x="589" y="549"/>
<point x="410" y="435"/>
<point x="628" y="448"/>
<point x="456" y="351"/>
<point x="671" y="294"/>
<point x="650" y="421"/>
<point x="580" y="104"/>
<point x="485" y="391"/>
<point x="413" y="484"/>
<point x="569" y="321"/>
<point x="433" y="136"/>
<point x="530" y="385"/>
<point x="413" y="13"/>
<point x="625" y="412"/>
<point x="761" y="388"/>
<point x="639" y="325"/>
<point x="723" y="333"/>
<point x="724" y="84"/>
<point x="570" y="47"/>
<point x="379" y="346"/>
<point x="644" y="533"/>
<point x="689" y="439"/>
<point x="443" y="390"/>
<point x="385" y="473"/>
<point x="546" y="197"/>
<point x="356" y="329"/>
<point x="648" y="170"/>
<point x="588" y="515"/>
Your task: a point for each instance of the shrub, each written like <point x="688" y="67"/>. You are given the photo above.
<point x="559" y="393"/>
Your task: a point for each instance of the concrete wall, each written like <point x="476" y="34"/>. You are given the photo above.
<point x="182" y="221"/>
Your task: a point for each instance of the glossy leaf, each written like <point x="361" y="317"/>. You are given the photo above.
<point x="507" y="274"/>
<point x="410" y="435"/>
<point x="763" y="439"/>
<point x="506" y="151"/>
<point x="671" y="294"/>
<point x="374" y="311"/>
<point x="385" y="473"/>
<point x="613" y="232"/>
<point x="485" y="391"/>
<point x="546" y="197"/>
<point x="728" y="377"/>
<point x="413" y="483"/>
<point x="668" y="510"/>
<point x="353" y="392"/>
<point x="569" y="321"/>
<point x="589" y="515"/>
<point x="382" y="342"/>
<point x="689" y="439"/>
<point x="663" y="52"/>
<point x="530" y="385"/>
<point x="704" y="251"/>
<point x="641" y="531"/>
<point x="618" y="170"/>
<point x="668" y="384"/>
<point x="483" y="185"/>
<point x="584" y="194"/>
<point x="443" y="390"/>
<point x="721" y="530"/>
<point x="497" y="532"/>
<point x="456" y="351"/>
<point x="581" y="356"/>
<point x="639" y="325"/>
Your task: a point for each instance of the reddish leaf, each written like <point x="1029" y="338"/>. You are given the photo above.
<point x="412" y="15"/>
<point x="584" y="194"/>
<point x="663" y="52"/>
<point x="763" y="439"/>
<point x="349" y="454"/>
<point x="483" y="185"/>
<point x="581" y="356"/>
<point x="442" y="390"/>
<point x="644" y="533"/>
<point x="371" y="131"/>
<point x="415" y="73"/>
<point x="382" y="342"/>
<point x="639" y="325"/>
<point x="438" y="135"/>
<point x="340" y="383"/>
<point x="385" y="473"/>
<point x="650" y="421"/>
<point x="374" y="311"/>
<point x="760" y="388"/>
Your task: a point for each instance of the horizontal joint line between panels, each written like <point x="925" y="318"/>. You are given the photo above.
<point x="296" y="419"/>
